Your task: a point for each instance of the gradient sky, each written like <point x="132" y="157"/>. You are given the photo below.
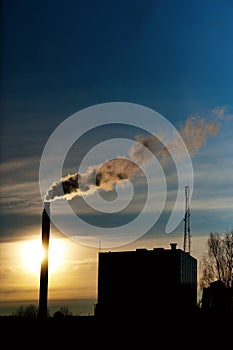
<point x="59" y="57"/>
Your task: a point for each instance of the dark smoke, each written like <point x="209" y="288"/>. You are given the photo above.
<point x="106" y="175"/>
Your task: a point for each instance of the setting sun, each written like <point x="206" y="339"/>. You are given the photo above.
<point x="32" y="255"/>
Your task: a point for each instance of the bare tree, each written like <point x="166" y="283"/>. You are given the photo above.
<point x="29" y="311"/>
<point x="217" y="263"/>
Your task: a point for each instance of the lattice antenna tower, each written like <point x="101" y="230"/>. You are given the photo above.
<point x="187" y="234"/>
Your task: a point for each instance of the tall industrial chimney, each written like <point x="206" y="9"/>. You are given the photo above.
<point x="44" y="262"/>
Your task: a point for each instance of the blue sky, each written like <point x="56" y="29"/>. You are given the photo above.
<point x="59" y="57"/>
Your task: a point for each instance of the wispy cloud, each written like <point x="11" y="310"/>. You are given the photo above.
<point x="222" y="113"/>
<point x="19" y="185"/>
<point x="19" y="170"/>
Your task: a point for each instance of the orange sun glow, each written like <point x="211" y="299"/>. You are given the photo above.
<point x="32" y="255"/>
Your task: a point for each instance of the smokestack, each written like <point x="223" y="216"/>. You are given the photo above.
<point x="44" y="262"/>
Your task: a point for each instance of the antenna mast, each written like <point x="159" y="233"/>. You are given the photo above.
<point x="187" y="236"/>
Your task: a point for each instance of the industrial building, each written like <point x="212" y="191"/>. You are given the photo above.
<point x="217" y="297"/>
<point x="145" y="282"/>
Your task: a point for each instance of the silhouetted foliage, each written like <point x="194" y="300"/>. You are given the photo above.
<point x="64" y="311"/>
<point x="217" y="263"/>
<point x="30" y="311"/>
<point x="58" y="314"/>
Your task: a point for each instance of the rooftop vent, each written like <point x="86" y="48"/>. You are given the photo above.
<point x="173" y="246"/>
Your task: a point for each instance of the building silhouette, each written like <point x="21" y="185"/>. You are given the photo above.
<point x="217" y="297"/>
<point x="145" y="282"/>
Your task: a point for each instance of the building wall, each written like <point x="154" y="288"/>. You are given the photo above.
<point x="145" y="281"/>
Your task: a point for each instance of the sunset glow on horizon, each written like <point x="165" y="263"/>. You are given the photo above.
<point x="70" y="266"/>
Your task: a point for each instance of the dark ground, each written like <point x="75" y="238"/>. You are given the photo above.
<point x="200" y="329"/>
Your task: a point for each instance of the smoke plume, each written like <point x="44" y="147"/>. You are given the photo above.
<point x="106" y="175"/>
<point x="195" y="131"/>
<point x="103" y="176"/>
